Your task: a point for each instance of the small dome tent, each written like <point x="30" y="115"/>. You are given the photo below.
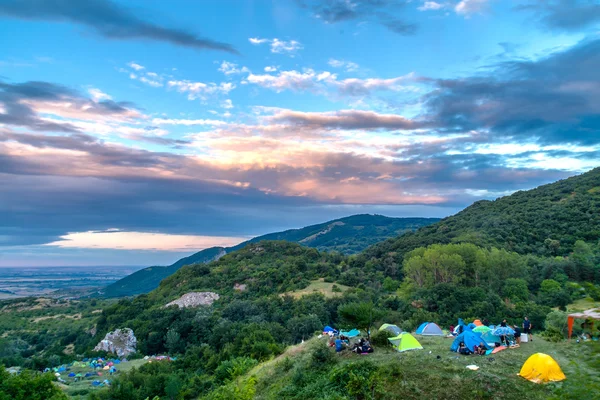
<point x="404" y="342"/>
<point x="540" y="368"/>
<point x="393" y="329"/>
<point x="421" y="327"/>
<point x="431" y="329"/>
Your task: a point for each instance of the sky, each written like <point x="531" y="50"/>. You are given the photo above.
<point x="137" y="132"/>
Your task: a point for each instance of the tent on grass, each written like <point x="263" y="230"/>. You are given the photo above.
<point x="329" y="331"/>
<point x="421" y="327"/>
<point x="351" y="333"/>
<point x="431" y="329"/>
<point x="540" y="368"/>
<point x="393" y="329"/>
<point x="470" y="339"/>
<point x="404" y="342"/>
<point x="490" y="338"/>
<point x="593" y="314"/>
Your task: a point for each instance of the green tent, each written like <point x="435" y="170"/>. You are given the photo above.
<point x="482" y="329"/>
<point x="404" y="342"/>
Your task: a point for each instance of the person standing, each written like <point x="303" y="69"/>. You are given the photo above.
<point x="517" y="334"/>
<point x="527" y="328"/>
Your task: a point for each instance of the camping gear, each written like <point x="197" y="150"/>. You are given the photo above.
<point x="431" y="329"/>
<point x="541" y="367"/>
<point x="503" y="331"/>
<point x="592" y="314"/>
<point x="473" y="367"/>
<point x="498" y="349"/>
<point x="482" y="329"/>
<point x="404" y="342"/>
<point x="72" y="375"/>
<point x="490" y="338"/>
<point x="524" y="338"/>
<point x="470" y="339"/>
<point x="393" y="329"/>
<point x="351" y="333"/>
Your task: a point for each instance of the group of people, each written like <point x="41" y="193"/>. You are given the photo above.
<point x="343" y="342"/>
<point x="479" y="350"/>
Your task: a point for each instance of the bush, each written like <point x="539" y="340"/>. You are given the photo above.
<point x="380" y="338"/>
<point x="556" y="326"/>
<point x="321" y="357"/>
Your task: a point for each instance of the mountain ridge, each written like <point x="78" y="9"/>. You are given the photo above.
<point x="335" y="235"/>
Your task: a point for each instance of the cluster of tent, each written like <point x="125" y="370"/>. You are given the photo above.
<point x="404" y="341"/>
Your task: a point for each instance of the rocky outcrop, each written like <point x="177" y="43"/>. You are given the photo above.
<point x="195" y="299"/>
<point x="122" y="342"/>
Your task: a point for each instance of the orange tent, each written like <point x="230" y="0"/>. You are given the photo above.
<point x="478" y="322"/>
<point x="593" y="314"/>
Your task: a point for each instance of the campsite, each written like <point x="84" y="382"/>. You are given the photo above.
<point x="433" y="371"/>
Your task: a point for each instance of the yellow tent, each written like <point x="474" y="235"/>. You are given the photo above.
<point x="541" y="367"/>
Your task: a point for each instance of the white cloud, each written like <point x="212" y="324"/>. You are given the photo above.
<point x="283" y="47"/>
<point x="257" y="41"/>
<point x="135" y="66"/>
<point x="431" y="5"/>
<point x="227" y="104"/>
<point x="151" y="82"/>
<point x="187" y="122"/>
<point x="229" y="68"/>
<point x="291" y="80"/>
<point x="201" y="90"/>
<point x="270" y="68"/>
<point x="470" y="7"/>
<point x="349" y="66"/>
<point x="310" y="80"/>
<point x="278" y="46"/>
<point x="98" y="94"/>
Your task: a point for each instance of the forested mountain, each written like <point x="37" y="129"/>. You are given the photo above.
<point x="346" y="235"/>
<point x="430" y="277"/>
<point x="545" y="221"/>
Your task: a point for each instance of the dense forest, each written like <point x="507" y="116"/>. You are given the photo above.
<point x="347" y="235"/>
<point x="531" y="253"/>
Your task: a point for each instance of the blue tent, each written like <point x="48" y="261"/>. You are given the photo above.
<point x="490" y="338"/>
<point x="470" y="339"/>
<point x="328" y="329"/>
<point x="421" y="327"/>
<point x="72" y="375"/>
<point x="472" y="326"/>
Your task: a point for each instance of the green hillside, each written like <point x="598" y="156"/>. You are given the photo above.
<point x="346" y="235"/>
<point x="545" y="221"/>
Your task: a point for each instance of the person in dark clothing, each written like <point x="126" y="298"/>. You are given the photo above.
<point x="527" y="328"/>
<point x="462" y="349"/>
<point x="486" y="322"/>
<point x="517" y="334"/>
<point x="503" y="323"/>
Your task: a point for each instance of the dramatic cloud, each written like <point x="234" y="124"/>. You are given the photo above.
<point x="112" y="239"/>
<point x="24" y="104"/>
<point x="108" y="19"/>
<point x="548" y="99"/>
<point x="567" y="15"/>
<point x="279" y="46"/>
<point x="346" y="119"/>
<point x="383" y="12"/>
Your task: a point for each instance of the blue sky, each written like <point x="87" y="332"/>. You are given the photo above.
<point x="135" y="132"/>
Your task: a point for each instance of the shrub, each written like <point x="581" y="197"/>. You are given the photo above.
<point x="380" y="338"/>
